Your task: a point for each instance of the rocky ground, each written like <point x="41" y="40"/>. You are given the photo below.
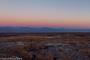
<point x="57" y="47"/>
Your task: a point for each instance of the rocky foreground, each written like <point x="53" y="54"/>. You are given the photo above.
<point x="57" y="47"/>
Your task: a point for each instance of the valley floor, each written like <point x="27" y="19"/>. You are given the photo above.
<point x="45" y="46"/>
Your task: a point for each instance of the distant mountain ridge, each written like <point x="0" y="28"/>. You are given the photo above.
<point x="7" y="29"/>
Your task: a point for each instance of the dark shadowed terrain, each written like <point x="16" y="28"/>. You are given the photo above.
<point x="45" y="46"/>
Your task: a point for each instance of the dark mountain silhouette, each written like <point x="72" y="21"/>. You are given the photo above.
<point x="7" y="29"/>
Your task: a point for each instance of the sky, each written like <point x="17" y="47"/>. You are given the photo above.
<point x="45" y="13"/>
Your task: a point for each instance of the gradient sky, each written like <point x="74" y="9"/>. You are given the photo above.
<point x="52" y="13"/>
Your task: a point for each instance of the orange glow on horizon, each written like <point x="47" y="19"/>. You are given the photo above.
<point x="42" y="22"/>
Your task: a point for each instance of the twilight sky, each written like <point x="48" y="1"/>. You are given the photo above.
<point x="51" y="13"/>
